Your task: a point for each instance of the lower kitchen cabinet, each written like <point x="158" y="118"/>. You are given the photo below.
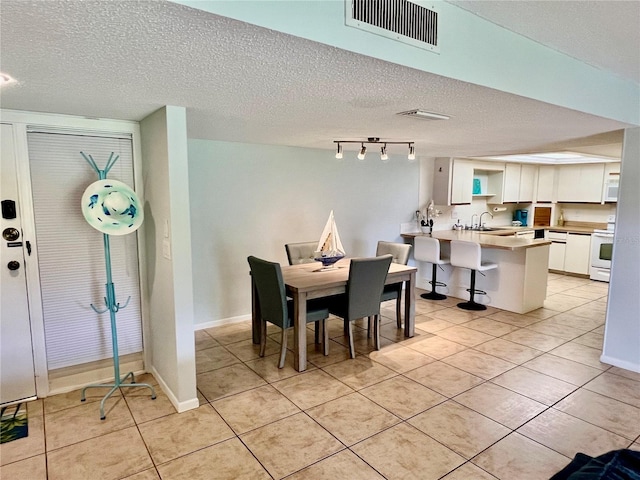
<point x="556" y="256"/>
<point x="577" y="253"/>
<point x="556" y="249"/>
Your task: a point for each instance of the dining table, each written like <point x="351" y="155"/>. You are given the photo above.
<point x="307" y="281"/>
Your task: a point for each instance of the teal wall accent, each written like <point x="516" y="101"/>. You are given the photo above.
<point x="252" y="199"/>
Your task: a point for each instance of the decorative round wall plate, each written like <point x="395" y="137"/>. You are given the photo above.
<point x="111" y="207"/>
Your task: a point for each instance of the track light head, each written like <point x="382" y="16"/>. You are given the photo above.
<point x="383" y="153"/>
<point x="412" y="152"/>
<point x="339" y="152"/>
<point x="363" y="150"/>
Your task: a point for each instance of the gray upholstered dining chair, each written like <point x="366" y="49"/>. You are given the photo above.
<point x="276" y="309"/>
<point x="303" y="252"/>
<point x="400" y="253"/>
<point x="362" y="296"/>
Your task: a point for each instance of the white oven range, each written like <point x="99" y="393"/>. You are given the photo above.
<point x="601" y="250"/>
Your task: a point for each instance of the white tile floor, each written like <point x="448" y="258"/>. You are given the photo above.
<point x="474" y="395"/>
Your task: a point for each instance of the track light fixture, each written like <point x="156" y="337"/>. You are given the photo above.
<point x="383" y="149"/>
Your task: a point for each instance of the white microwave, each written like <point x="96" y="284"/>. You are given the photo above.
<point x="611" y="190"/>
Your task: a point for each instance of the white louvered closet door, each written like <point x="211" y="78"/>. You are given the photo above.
<point x="71" y="253"/>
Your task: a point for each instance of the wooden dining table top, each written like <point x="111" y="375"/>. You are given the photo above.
<point x="307" y="277"/>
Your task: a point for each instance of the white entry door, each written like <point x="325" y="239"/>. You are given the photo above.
<point x="17" y="379"/>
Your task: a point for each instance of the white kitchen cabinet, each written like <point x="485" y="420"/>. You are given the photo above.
<point x="462" y="182"/>
<point x="511" y="191"/>
<point x="578" y="253"/>
<point x="491" y="177"/>
<point x="580" y="183"/>
<point x="557" y="250"/>
<point x="527" y="183"/>
<point x="546" y="183"/>
<point x="519" y="183"/>
<point x="452" y="181"/>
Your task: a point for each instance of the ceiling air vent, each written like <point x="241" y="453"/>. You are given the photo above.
<point x="424" y="115"/>
<point x="402" y="20"/>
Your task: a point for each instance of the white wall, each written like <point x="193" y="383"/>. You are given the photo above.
<point x="252" y="199"/>
<point x="169" y="276"/>
<point x="472" y="49"/>
<point x="622" y="328"/>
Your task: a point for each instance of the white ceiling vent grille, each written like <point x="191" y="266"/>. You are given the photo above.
<point x="404" y="20"/>
<point x="424" y="115"/>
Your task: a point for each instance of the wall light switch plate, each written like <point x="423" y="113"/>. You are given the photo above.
<point x="454" y="213"/>
<point x="166" y="249"/>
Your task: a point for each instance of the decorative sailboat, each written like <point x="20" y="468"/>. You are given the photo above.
<point x="330" y="248"/>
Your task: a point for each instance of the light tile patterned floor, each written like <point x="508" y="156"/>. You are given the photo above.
<point x="474" y="395"/>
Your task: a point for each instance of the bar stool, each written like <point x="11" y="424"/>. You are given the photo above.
<point x="427" y="249"/>
<point x="469" y="255"/>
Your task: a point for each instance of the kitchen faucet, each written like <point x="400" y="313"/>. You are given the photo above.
<point x="474" y="215"/>
<point x="481" y="217"/>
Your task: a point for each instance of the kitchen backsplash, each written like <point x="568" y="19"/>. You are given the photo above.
<point x="450" y="215"/>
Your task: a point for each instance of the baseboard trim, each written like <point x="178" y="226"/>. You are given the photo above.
<point x="179" y="406"/>
<point x="616" y="362"/>
<point x="222" y="321"/>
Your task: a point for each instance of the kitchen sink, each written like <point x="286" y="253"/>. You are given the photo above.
<point x="486" y="229"/>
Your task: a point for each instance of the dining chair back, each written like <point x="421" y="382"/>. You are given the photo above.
<point x="362" y="296"/>
<point x="275" y="308"/>
<point x="400" y="253"/>
<point x="303" y="252"/>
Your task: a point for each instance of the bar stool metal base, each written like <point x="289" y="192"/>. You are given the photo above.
<point x="433" y="295"/>
<point x="472" y="306"/>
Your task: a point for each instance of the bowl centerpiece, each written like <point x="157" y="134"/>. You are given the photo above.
<point x="328" y="259"/>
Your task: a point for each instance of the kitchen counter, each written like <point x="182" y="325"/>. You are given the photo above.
<point x="519" y="284"/>
<point x="573" y="229"/>
<point x="503" y="239"/>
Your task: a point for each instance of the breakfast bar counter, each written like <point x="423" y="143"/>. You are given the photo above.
<point x="519" y="284"/>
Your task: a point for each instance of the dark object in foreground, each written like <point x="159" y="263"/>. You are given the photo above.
<point x="615" y="465"/>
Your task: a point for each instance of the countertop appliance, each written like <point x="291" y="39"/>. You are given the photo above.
<point x="601" y="251"/>
<point x="611" y="188"/>
<point x="521" y="216"/>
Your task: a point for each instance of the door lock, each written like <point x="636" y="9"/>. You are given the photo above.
<point x="10" y="234"/>
<point x="13" y="265"/>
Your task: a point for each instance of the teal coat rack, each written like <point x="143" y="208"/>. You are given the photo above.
<point x="112" y="306"/>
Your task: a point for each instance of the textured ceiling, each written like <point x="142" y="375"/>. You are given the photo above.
<point x="605" y="34"/>
<point x="242" y="83"/>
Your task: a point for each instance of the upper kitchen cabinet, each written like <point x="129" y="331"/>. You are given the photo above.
<point x="488" y="178"/>
<point x="546" y="184"/>
<point x="580" y="183"/>
<point x="511" y="182"/>
<point x="528" y="179"/>
<point x="452" y="181"/>
<point x="519" y="183"/>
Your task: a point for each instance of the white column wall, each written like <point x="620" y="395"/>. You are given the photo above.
<point x="168" y="244"/>
<point x="622" y="328"/>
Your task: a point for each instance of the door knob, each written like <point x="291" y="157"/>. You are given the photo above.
<point x="13" y="265"/>
<point x="10" y="234"/>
